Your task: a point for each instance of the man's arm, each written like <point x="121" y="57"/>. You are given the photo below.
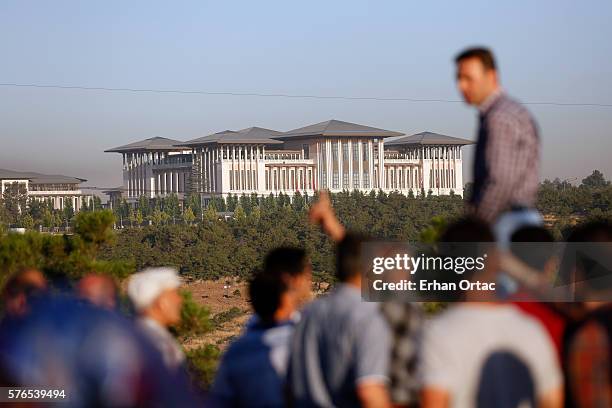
<point x="434" y="397"/>
<point x="323" y="213"/>
<point x="553" y="399"/>
<point x="588" y="367"/>
<point x="373" y="395"/>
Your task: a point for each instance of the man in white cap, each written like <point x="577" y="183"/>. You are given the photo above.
<point x="154" y="293"/>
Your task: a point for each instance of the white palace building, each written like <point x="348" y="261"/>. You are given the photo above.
<point x="56" y="189"/>
<point x="331" y="155"/>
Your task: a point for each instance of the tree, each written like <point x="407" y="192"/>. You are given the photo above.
<point x="15" y="200"/>
<point x="27" y="221"/>
<point x="157" y="218"/>
<point x="188" y="216"/>
<point x="210" y="214"/>
<point x="139" y="217"/>
<point x="172" y="207"/>
<point x="595" y="180"/>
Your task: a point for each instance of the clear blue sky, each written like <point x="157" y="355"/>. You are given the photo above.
<point x="547" y="50"/>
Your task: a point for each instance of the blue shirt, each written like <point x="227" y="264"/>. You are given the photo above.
<point x="252" y="370"/>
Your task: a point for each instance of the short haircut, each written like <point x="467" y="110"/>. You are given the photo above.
<point x="484" y="55"/>
<point x="593" y="231"/>
<point x="533" y="255"/>
<point x="348" y="256"/>
<point x="468" y="229"/>
<point x="19" y="284"/>
<point x="285" y="261"/>
<point x="265" y="292"/>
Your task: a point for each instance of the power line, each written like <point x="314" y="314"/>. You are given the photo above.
<point x="283" y="95"/>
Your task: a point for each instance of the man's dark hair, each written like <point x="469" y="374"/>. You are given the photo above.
<point x="539" y="250"/>
<point x="484" y="55"/>
<point x="461" y="239"/>
<point x="18" y="284"/>
<point x="285" y="261"/>
<point x="593" y="231"/>
<point x="265" y="292"/>
<point x="348" y="256"/>
<point x="578" y="267"/>
<point x="468" y="229"/>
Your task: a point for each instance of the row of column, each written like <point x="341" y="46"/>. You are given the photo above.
<point x="403" y="177"/>
<point x="360" y="171"/>
<point x="445" y="161"/>
<point x="292" y="178"/>
<point x="243" y="171"/>
<point x="60" y="201"/>
<point x="167" y="182"/>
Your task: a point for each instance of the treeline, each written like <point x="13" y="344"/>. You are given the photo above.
<point x="220" y="246"/>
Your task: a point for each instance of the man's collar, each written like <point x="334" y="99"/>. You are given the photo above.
<point x="490" y="100"/>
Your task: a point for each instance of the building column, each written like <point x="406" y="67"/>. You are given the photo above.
<point x="360" y="163"/>
<point x="340" y="165"/>
<point x="350" y="164"/>
<point x="371" y="164"/>
<point x="381" y="162"/>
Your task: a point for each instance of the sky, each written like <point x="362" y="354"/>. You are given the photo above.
<point x="547" y="51"/>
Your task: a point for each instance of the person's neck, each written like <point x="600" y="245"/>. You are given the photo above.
<point x="157" y="317"/>
<point x="283" y="314"/>
<point x="486" y="102"/>
<point x="354" y="282"/>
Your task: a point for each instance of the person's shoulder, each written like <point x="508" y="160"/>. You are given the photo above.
<point x="508" y="108"/>
<point x="529" y="326"/>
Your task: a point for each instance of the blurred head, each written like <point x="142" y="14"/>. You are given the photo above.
<point x="348" y="258"/>
<point x="476" y="75"/>
<point x="533" y="246"/>
<point x="585" y="265"/>
<point x="99" y="290"/>
<point x="594" y="231"/>
<point x="154" y="293"/>
<point x="471" y="237"/>
<point x="293" y="266"/>
<point x="20" y="289"/>
<point x="270" y="298"/>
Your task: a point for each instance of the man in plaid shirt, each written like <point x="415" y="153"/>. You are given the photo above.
<point x="507" y="160"/>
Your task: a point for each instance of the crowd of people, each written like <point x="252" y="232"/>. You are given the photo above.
<point x="338" y="350"/>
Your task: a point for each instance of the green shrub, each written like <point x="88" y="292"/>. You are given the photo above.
<point x="228" y="315"/>
<point x="195" y="318"/>
<point x="202" y="364"/>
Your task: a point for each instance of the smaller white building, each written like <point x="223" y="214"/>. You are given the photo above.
<point x="57" y="189"/>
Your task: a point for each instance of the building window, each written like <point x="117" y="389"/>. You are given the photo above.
<point x="335" y="181"/>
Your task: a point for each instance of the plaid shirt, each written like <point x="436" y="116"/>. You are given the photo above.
<point x="588" y="368"/>
<point x="406" y="323"/>
<point x="507" y="161"/>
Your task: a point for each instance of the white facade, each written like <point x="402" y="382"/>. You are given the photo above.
<point x="333" y="155"/>
<point x="59" y="190"/>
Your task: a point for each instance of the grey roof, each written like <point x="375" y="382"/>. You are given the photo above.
<point x="428" y="138"/>
<point x="38" y="178"/>
<point x="150" y="144"/>
<point x="337" y="128"/>
<point x="252" y="135"/>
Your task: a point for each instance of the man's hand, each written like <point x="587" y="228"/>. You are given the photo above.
<point x="322" y="213"/>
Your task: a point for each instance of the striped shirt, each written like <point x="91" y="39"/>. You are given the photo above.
<point x="507" y="160"/>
